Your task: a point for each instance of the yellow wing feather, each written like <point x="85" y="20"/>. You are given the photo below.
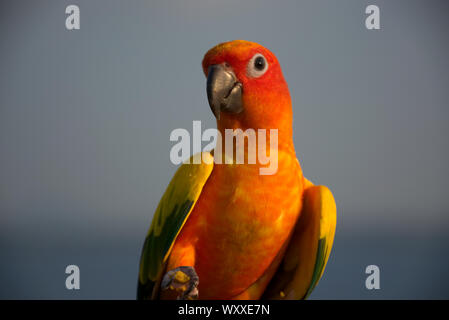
<point x="170" y="216"/>
<point x="309" y="248"/>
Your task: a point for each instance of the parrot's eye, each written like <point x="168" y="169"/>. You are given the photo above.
<point x="259" y="63"/>
<point x="257" y="66"/>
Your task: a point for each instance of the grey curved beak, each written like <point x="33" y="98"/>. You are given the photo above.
<point x="224" y="92"/>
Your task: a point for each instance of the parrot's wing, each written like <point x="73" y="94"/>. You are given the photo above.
<point x="171" y="214"/>
<point x="309" y="247"/>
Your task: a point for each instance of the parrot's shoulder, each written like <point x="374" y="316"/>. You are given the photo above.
<point x="171" y="213"/>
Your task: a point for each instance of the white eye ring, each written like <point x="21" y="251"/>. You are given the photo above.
<point x="257" y="66"/>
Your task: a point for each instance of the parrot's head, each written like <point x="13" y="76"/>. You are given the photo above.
<point x="246" y="88"/>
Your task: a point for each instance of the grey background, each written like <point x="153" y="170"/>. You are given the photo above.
<point x="85" y="118"/>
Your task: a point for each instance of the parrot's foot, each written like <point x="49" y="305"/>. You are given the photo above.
<point x="182" y="280"/>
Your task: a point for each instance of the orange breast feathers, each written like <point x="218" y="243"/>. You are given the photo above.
<point x="238" y="226"/>
<point x="242" y="219"/>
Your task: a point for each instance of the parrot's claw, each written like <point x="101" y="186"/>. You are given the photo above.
<point x="184" y="281"/>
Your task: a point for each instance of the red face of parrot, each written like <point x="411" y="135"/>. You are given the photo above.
<point x="246" y="88"/>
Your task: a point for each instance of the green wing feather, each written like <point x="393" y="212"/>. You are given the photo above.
<point x="309" y="247"/>
<point x="172" y="212"/>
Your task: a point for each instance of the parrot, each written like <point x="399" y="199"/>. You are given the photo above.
<point x="223" y="231"/>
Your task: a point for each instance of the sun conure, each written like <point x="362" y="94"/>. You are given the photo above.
<point x="224" y="230"/>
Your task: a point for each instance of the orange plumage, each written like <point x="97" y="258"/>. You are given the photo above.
<point x="239" y="228"/>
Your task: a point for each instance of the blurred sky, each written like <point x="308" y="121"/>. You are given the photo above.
<point x="85" y="119"/>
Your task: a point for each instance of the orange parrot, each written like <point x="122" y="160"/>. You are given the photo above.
<point x="224" y="230"/>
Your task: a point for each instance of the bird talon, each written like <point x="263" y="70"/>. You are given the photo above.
<point x="182" y="280"/>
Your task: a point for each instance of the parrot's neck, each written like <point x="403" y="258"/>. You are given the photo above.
<point x="255" y="147"/>
<point x="282" y="135"/>
<point x="269" y="113"/>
